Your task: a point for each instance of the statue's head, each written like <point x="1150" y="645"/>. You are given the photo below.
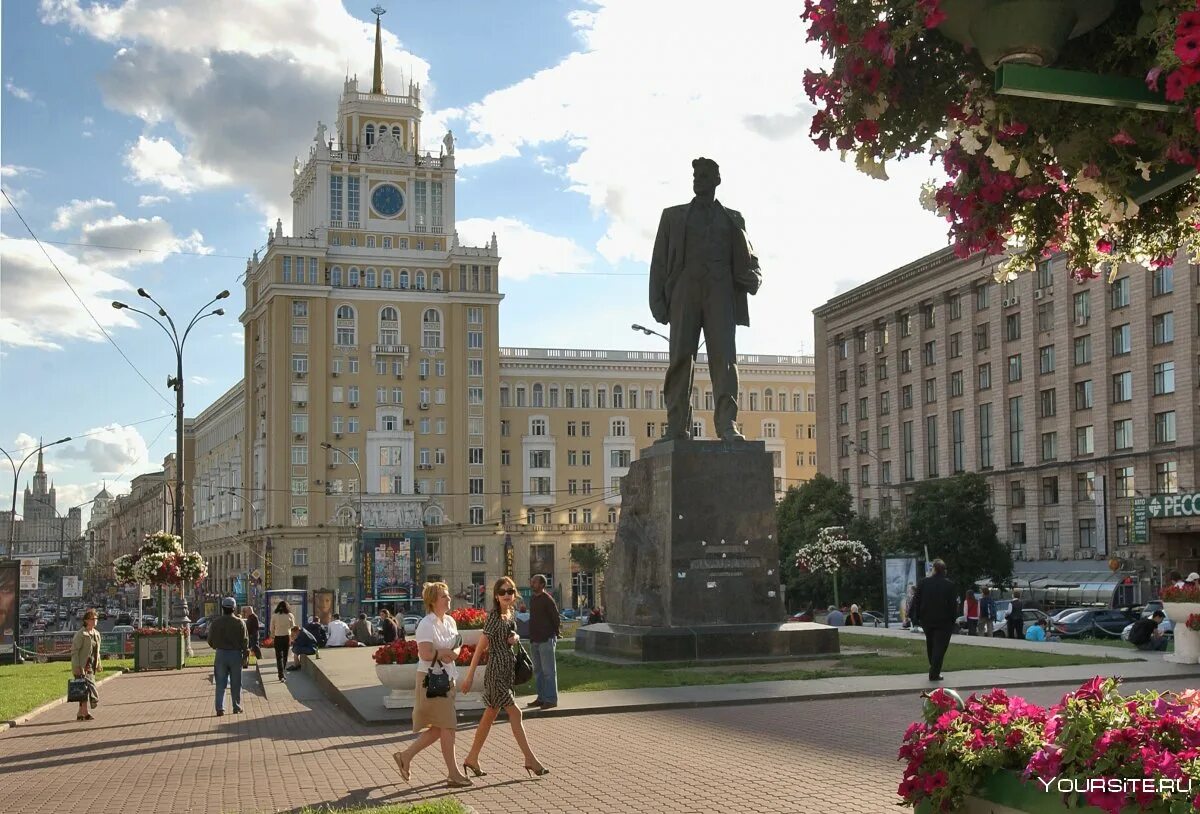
<point x="706" y="176"/>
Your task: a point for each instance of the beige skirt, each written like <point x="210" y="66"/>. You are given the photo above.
<point x="437" y="712"/>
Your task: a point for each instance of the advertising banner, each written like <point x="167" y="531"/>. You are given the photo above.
<point x="72" y="587"/>
<point x="392" y="572"/>
<point x="900" y="573"/>
<point x="29" y="575"/>
<point x="9" y="580"/>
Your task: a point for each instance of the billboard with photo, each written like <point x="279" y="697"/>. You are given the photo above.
<point x="899" y="574"/>
<point x="9" y="624"/>
<point x="72" y="587"/>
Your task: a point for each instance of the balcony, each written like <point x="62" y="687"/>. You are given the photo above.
<point x="390" y="350"/>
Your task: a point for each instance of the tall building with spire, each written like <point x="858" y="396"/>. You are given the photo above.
<point x="41" y="532"/>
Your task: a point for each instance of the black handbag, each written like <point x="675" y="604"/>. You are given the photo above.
<point x="77" y="690"/>
<point x="523" y="667"/>
<point x="437" y="685"/>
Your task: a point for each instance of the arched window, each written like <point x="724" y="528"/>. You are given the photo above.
<point x="539" y="397"/>
<point x="403" y="278"/>
<point x="768" y="399"/>
<point x="521" y="395"/>
<point x="387" y="278"/>
<point x="344" y="331"/>
<point x="396" y="130"/>
<point x="389" y="422"/>
<point x="370" y="134"/>
<point x="435" y="281"/>
<point x="419" y="281"/>
<point x="335" y="276"/>
<point x="370" y="282"/>
<point x="602" y="397"/>
<point x="389" y="326"/>
<point x="618" y="397"/>
<point x="612" y="514"/>
<point x="753" y="400"/>
<point x="353" y="277"/>
<point x="431" y="329"/>
<point x="433" y="516"/>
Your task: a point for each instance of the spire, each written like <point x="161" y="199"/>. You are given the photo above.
<point x="377" y="77"/>
<point x="41" y="470"/>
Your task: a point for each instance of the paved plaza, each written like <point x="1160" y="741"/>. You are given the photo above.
<point x="155" y="746"/>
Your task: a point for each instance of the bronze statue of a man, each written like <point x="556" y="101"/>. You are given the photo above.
<point x="702" y="270"/>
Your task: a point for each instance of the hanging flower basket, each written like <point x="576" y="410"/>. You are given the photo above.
<point x="1024" y="177"/>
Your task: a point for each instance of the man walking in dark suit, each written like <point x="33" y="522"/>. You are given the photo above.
<point x="935" y="609"/>
<point x="700" y="275"/>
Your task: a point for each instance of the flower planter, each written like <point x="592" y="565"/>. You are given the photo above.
<point x="401" y="681"/>
<point x="1007" y="793"/>
<point x="1030" y="32"/>
<point x="1187" y="642"/>
<point x="158" y="651"/>
<point x="471" y="637"/>
<point x="477" y="684"/>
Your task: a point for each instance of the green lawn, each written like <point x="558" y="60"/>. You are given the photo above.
<point x="30" y="685"/>
<point x="577" y="674"/>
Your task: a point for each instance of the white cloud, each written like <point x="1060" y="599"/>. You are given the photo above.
<point x="109" y="450"/>
<point x="78" y="211"/>
<point x="278" y="63"/>
<point x="38" y="311"/>
<point x="14" y="170"/>
<point x="152" y="200"/>
<point x="199" y="380"/>
<point x="635" y="106"/>
<point x="154" y="237"/>
<point x="525" y="251"/>
<point x="17" y="91"/>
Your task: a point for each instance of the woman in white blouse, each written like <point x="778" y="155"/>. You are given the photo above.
<point x="438" y="643"/>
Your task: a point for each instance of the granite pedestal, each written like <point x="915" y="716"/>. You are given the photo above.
<point x="694" y="572"/>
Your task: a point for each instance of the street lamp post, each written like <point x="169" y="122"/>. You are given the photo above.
<point x="253" y="526"/>
<point x="176" y="383"/>
<point x="695" y="358"/>
<point x="358" y="537"/>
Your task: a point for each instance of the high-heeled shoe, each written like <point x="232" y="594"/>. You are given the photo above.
<point x="474" y="770"/>
<point x="456" y="783"/>
<point x="405" y="766"/>
<point x="539" y="771"/>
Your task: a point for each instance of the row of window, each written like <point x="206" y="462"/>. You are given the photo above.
<point x="581" y="396"/>
<point x="1163" y="283"/>
<point x="1163" y="374"/>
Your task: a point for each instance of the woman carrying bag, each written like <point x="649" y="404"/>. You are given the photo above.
<point x="282" y="622"/>
<point x="499" y="638"/>
<point x="433" y="715"/>
<point x="85" y="663"/>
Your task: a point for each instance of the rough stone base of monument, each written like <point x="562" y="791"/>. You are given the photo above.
<point x="760" y="642"/>
<point x="694" y="572"/>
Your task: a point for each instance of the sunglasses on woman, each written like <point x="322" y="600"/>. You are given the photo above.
<point x="506" y="592"/>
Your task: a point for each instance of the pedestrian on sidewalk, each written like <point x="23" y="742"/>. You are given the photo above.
<point x="854" y="618"/>
<point x="987" y="613"/>
<point x="433" y="716"/>
<point x="282" y="622"/>
<point x="935" y="609"/>
<point x="227" y="636"/>
<point x="388" y="627"/>
<point x="1015" y="621"/>
<point x="971" y="612"/>
<point x="85" y="662"/>
<point x="545" y="625"/>
<point x="252" y="628"/>
<point x="499" y="638"/>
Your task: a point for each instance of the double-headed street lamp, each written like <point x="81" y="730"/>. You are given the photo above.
<point x="16" y="468"/>
<point x="176" y="383"/>
<point x="359" y="523"/>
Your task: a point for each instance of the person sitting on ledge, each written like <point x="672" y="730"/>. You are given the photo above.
<point x="303" y="644"/>
<point x="854" y="619"/>
<point x="1147" y="634"/>
<point x="835" y="617"/>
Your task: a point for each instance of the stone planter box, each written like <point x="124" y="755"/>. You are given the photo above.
<point x="1007" y="793"/>
<point x="158" y="651"/>
<point x="1187" y="642"/>
<point x="400" y="680"/>
<point x="471" y="637"/>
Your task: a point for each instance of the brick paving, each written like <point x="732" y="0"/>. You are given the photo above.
<point x="156" y="746"/>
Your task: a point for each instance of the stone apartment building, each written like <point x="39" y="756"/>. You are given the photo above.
<point x="1073" y="399"/>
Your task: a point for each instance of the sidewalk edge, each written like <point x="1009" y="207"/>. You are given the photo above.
<point x="15" y="722"/>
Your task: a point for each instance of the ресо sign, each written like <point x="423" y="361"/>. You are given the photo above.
<point x="1186" y="505"/>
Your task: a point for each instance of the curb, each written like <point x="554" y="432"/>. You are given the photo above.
<point x="15" y="722"/>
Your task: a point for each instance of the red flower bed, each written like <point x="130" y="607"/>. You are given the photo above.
<point x="397" y="652"/>
<point x="469" y="618"/>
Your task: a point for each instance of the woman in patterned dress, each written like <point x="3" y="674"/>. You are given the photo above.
<point x="499" y="637"/>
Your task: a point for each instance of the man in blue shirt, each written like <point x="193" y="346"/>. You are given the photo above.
<point x="303" y="644"/>
<point x="1035" y="633"/>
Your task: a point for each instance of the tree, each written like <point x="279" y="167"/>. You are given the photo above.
<point x="803" y="512"/>
<point x="832" y="553"/>
<point x="950" y="517"/>
<point x="593" y="560"/>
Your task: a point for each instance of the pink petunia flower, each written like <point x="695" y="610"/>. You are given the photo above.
<point x="1122" y="139"/>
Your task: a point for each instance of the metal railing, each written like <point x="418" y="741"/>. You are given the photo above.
<point x="56" y="645"/>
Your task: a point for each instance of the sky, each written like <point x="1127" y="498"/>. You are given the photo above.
<point x="149" y="143"/>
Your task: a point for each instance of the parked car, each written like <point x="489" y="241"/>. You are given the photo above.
<point x="872" y="619"/>
<point x="200" y="628"/>
<point x="1065" y="612"/>
<point x="122" y="629"/>
<point x="1098" y="623"/>
<point x="410" y="625"/>
<point x="102" y="614"/>
<point x="1167" y="626"/>
<point x="568" y="614"/>
<point x="124" y="619"/>
<point x="149" y="619"/>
